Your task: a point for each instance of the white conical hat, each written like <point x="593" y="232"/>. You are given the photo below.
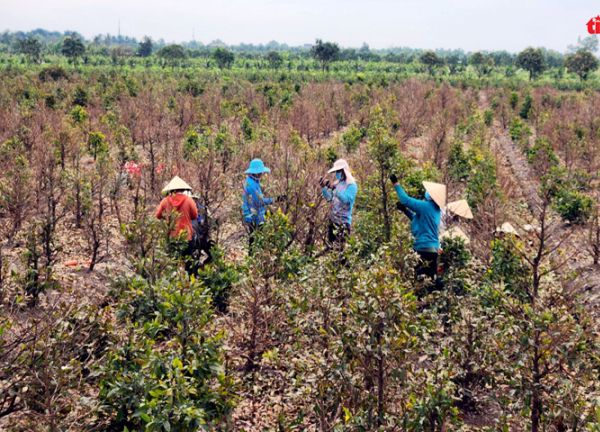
<point x="507" y="228"/>
<point x="341" y="164"/>
<point x="456" y="232"/>
<point x="460" y="208"/>
<point x="176" y="183"/>
<point x="437" y="192"/>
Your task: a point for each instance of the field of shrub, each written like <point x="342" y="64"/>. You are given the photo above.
<point x="101" y="328"/>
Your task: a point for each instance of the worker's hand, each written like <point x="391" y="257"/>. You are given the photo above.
<point x="399" y="206"/>
<point x="393" y="178"/>
<point x="323" y="182"/>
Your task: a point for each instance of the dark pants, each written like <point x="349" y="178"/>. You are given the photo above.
<point x="428" y="267"/>
<point x="337" y="235"/>
<point x="183" y="250"/>
<point x="251" y="228"/>
<point x="201" y="242"/>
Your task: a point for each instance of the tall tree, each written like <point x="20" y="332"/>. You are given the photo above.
<point x="431" y="60"/>
<point x="223" y="57"/>
<point x="582" y="63"/>
<point x="145" y="47"/>
<point x="482" y="63"/>
<point x="72" y="47"/>
<point x="172" y="53"/>
<point x="31" y="47"/>
<point x="274" y="59"/>
<point x="325" y="53"/>
<point x="532" y="60"/>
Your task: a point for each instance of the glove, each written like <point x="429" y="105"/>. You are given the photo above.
<point x="323" y="182"/>
<point x="393" y="178"/>
<point x="400" y="206"/>
<point x="281" y="198"/>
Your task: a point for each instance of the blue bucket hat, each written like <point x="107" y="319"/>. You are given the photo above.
<point x="257" y="166"/>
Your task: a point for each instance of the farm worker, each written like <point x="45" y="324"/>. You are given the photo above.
<point x="201" y="227"/>
<point x="341" y="194"/>
<point x="254" y="205"/>
<point x="183" y="207"/>
<point x="425" y="216"/>
<point x="451" y="213"/>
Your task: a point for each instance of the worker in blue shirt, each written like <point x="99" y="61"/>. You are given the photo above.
<point x="254" y="206"/>
<point x="425" y="216"/>
<point x="341" y="194"/>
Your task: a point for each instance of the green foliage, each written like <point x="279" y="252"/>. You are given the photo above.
<point x="458" y="162"/>
<point x="507" y="267"/>
<point x="431" y="60"/>
<point x="273" y="252"/>
<point x="581" y="63"/>
<point x="31" y="47"/>
<point x="72" y="47"/>
<point x="275" y="59"/>
<point x="247" y="129"/>
<point x="78" y="115"/>
<point x="532" y="60"/>
<point x="167" y="374"/>
<point x="488" y="117"/>
<point x="542" y="154"/>
<point x="482" y="181"/>
<point x="80" y="97"/>
<point x="519" y="131"/>
<point x="223" y="57"/>
<point x="97" y="144"/>
<point x="193" y="144"/>
<point x="145" y="47"/>
<point x="172" y="53"/>
<point x="352" y="138"/>
<point x="219" y="277"/>
<point x="526" y="108"/>
<point x="53" y="72"/>
<point x="325" y="53"/>
<point x="514" y="100"/>
<point x="573" y="205"/>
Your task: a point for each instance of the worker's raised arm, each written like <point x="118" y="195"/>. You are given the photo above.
<point x="412" y="203"/>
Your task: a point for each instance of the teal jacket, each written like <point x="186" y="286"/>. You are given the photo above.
<point x="342" y="202"/>
<point x="254" y="205"/>
<point x="425" y="221"/>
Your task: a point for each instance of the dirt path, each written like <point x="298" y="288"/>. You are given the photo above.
<point x="578" y="274"/>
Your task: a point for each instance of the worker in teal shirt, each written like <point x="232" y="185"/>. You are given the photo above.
<point x="425" y="216"/>
<point x="254" y="203"/>
<point x="341" y="194"/>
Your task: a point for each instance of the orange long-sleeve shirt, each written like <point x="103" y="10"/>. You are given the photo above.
<point x="186" y="210"/>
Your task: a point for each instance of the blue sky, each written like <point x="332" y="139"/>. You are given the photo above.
<point x="467" y="24"/>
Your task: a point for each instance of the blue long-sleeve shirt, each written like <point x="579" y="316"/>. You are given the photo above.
<point x="342" y="202"/>
<point x="425" y="222"/>
<point x="254" y="204"/>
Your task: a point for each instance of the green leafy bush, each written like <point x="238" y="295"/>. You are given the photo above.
<point x="573" y="205"/>
<point x="165" y="372"/>
<point x="352" y="138"/>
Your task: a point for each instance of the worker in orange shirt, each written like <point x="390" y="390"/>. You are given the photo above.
<point x="183" y="208"/>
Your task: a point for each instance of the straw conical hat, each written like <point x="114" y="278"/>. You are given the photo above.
<point x="176" y="183"/>
<point x="437" y="192"/>
<point x="507" y="228"/>
<point x="460" y="208"/>
<point x="456" y="232"/>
